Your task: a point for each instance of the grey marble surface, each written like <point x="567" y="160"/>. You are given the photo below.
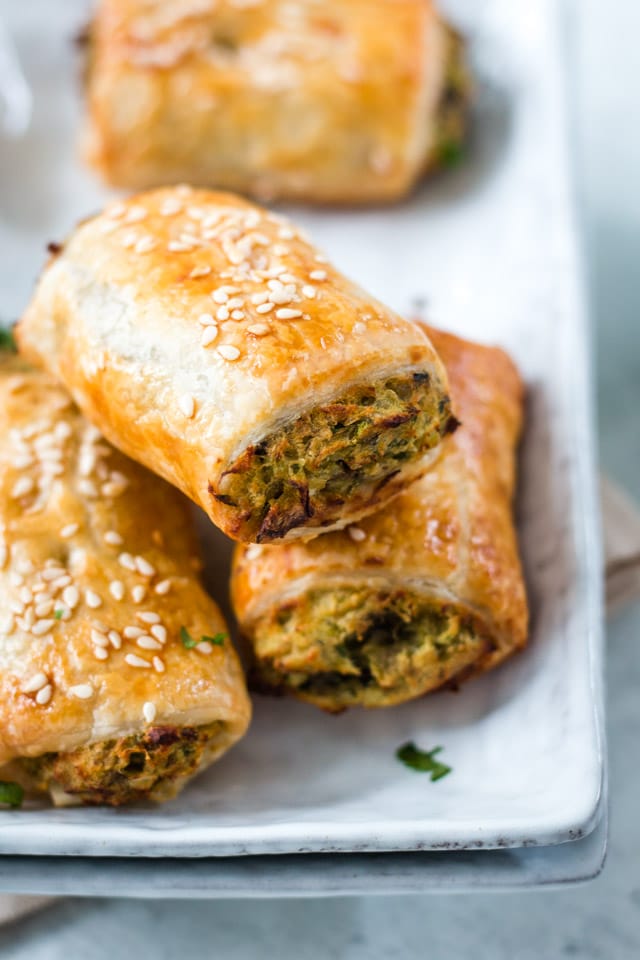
<point x="601" y="919"/>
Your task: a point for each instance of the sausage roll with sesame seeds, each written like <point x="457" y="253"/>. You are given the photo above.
<point x="426" y="593"/>
<point x="209" y="340"/>
<point x="329" y="101"/>
<point x="117" y="678"/>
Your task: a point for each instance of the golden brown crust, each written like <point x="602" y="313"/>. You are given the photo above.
<point x="331" y="101"/>
<point x="450" y="535"/>
<point x="75" y="517"/>
<point x="122" y="315"/>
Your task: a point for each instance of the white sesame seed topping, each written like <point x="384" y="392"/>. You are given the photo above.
<point x="115" y="639"/>
<point x="318" y="274"/>
<point x="236" y="303"/>
<point x="209" y="334"/>
<point x="237" y="315"/>
<point x="206" y="319"/>
<point x="116" y="589"/>
<point x="138" y="593"/>
<point x="135" y="214"/>
<point x="158" y="665"/>
<point x="309" y="292"/>
<point x="148" y="643"/>
<point x="259" y="298"/>
<point x="52" y="573"/>
<point x="148" y="617"/>
<point x="145" y="244"/>
<point x="357" y="535"/>
<point x="88" y="488"/>
<point x="204" y="647"/>
<point x="200" y="271"/>
<point x="149" y="711"/>
<point x="60" y="582"/>
<point x="99" y="639"/>
<point x="220" y="296"/>
<point x="285" y="313"/>
<point x="25" y="595"/>
<point x="126" y="560"/>
<point x="93" y="599"/>
<point x="112" y="538"/>
<point x="44" y="695"/>
<point x="159" y="632"/>
<point x="163" y="587"/>
<point x="69" y="530"/>
<point x="100" y="626"/>
<point x="82" y="691"/>
<point x="132" y="633"/>
<point x="71" y="596"/>
<point x="44" y="608"/>
<point x="265" y="308"/>
<point x="170" y="206"/>
<point x="135" y="661"/>
<point x="222" y="314"/>
<point x="145" y="568"/>
<point x="176" y="246"/>
<point x="187" y="405"/>
<point x="22" y="487"/>
<point x="258" y="329"/>
<point x="37" y="682"/>
<point x="41" y="627"/>
<point x="100" y="653"/>
<point x="228" y="352"/>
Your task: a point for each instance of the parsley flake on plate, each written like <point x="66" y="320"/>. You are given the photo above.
<point x="422" y="760"/>
<point x="11" y="794"/>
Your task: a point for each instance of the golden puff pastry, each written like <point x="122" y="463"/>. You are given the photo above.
<point x="322" y="100"/>
<point x="427" y="592"/>
<point x="117" y="678"/>
<point x="210" y="341"/>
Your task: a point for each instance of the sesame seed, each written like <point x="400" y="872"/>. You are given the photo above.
<point x="116" y="211"/>
<point x="148" y="617"/>
<point x="228" y="352"/>
<point x="83" y="691"/>
<point x="132" y="633"/>
<point x="93" y="599"/>
<point x="44" y="695"/>
<point x="41" y="627"/>
<point x="42" y="609"/>
<point x="309" y="292"/>
<point x="71" y="596"/>
<point x="148" y="643"/>
<point x="135" y="214"/>
<point x="60" y="582"/>
<point x="22" y="487"/>
<point x="222" y="314"/>
<point x="285" y="313"/>
<point x="115" y="639"/>
<point x="145" y="244"/>
<point x="159" y="632"/>
<point x="258" y="298"/>
<point x="208" y="336"/>
<point x="206" y="319"/>
<point x="69" y="530"/>
<point x="264" y="308"/>
<point x="116" y="589"/>
<point x="138" y="593"/>
<point x="135" y="661"/>
<point x="100" y="653"/>
<point x="163" y="587"/>
<point x="204" y="647"/>
<point x="37" y="682"/>
<point x="128" y="240"/>
<point x="187" y="405"/>
<point x="100" y="626"/>
<point x="237" y="315"/>
<point x="170" y="207"/>
<point x="175" y="246"/>
<point x="149" y="711"/>
<point x="158" y="665"/>
<point x="258" y="329"/>
<point x="200" y="271"/>
<point x="112" y="538"/>
<point x="145" y="568"/>
<point x="236" y="303"/>
<point x="220" y="296"/>
<point x="318" y="274"/>
<point x="126" y="560"/>
<point x="357" y="535"/>
<point x="99" y="639"/>
<point x="25" y="595"/>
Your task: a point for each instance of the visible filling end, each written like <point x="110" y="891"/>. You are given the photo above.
<point x="341" y="647"/>
<point x="452" y="115"/>
<point x="141" y="766"/>
<point x="346" y="450"/>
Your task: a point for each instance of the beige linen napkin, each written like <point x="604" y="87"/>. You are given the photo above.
<point x="621" y="529"/>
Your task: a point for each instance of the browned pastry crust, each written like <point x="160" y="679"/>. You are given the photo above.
<point x="426" y="592"/>
<point x="210" y="341"/>
<point x="100" y="700"/>
<point x="324" y="100"/>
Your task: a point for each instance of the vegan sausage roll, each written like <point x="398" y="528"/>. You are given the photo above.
<point x="322" y="100"/>
<point x="207" y="339"/>
<point x="425" y="593"/>
<point x="117" y="678"/>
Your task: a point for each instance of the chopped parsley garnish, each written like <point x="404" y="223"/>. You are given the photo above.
<point x="217" y="638"/>
<point x="451" y="154"/>
<point x="7" y="341"/>
<point x="422" y="760"/>
<point x="189" y="642"/>
<point x="58" y="614"/>
<point x="11" y="794"/>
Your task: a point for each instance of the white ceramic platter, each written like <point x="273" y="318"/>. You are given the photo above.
<point x="491" y="250"/>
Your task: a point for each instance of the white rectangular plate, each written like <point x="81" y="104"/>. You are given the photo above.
<point x="491" y="250"/>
